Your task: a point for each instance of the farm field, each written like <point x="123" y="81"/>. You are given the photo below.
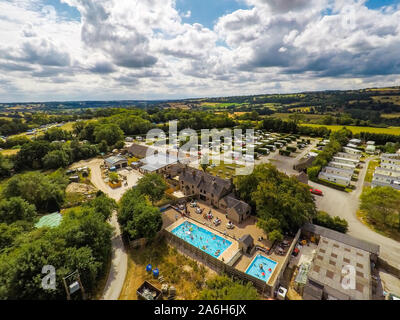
<point x="9" y="152"/>
<point x="355" y="130"/>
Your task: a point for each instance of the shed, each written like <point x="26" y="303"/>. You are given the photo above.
<point x="246" y="243"/>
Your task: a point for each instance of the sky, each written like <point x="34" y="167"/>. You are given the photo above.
<point x="57" y="50"/>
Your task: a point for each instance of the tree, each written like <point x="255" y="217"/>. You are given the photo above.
<point x="153" y="186"/>
<point x="57" y="134"/>
<point x="46" y="192"/>
<point x="111" y="133"/>
<point x="102" y="205"/>
<point x="224" y="288"/>
<point x="275" y="195"/>
<point x="382" y="205"/>
<point x="136" y="217"/>
<point x="103" y="146"/>
<point x="56" y="159"/>
<point x="5" y="166"/>
<point x="14" y="209"/>
<point x="31" y="155"/>
<point x="114" y="177"/>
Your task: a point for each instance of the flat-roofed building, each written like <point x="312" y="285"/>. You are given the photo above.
<point x="334" y="252"/>
<point x="158" y="163"/>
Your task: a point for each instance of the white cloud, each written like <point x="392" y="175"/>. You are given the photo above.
<point x="142" y="49"/>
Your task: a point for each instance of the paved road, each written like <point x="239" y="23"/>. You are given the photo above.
<point x="119" y="262"/>
<point x="346" y="205"/>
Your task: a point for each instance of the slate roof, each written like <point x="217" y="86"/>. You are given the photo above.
<point x="205" y="181"/>
<point x="247" y="240"/>
<point x="239" y="206"/>
<point x="138" y="150"/>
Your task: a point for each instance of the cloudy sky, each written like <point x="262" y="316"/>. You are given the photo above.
<point x="158" y="49"/>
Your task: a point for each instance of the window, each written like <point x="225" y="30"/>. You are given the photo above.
<point x="359" y="287"/>
<point x="360" y="274"/>
<point x="334" y="255"/>
<point x="331" y="262"/>
<point x="329" y="274"/>
<point x="360" y="265"/>
<point x="346" y="260"/>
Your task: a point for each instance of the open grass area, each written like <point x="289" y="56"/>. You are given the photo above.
<point x="354" y="129"/>
<point x="224" y="170"/>
<point x="379" y="228"/>
<point x="371" y="169"/>
<point x="186" y="275"/>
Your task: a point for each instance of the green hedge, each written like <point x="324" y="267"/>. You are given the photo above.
<point x="284" y="153"/>
<point x="330" y="184"/>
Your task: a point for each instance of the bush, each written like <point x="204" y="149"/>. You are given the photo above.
<point x="336" y="223"/>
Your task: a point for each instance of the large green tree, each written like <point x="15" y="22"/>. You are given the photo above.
<point x="137" y="218"/>
<point x="274" y="195"/>
<point x="153" y="186"/>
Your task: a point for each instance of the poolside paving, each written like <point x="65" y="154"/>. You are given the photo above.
<point x="172" y="219"/>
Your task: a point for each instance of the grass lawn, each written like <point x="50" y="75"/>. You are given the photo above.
<point x="379" y="228"/>
<point x="354" y="129"/>
<point x="228" y="170"/>
<point x="371" y="169"/>
<point x="186" y="275"/>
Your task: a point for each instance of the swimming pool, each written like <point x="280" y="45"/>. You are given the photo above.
<point x="264" y="273"/>
<point x="201" y="238"/>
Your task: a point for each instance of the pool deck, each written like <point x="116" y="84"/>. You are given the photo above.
<point x="227" y="254"/>
<point x="172" y="219"/>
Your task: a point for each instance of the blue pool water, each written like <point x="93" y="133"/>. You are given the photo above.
<point x="263" y="273"/>
<point x="201" y="238"/>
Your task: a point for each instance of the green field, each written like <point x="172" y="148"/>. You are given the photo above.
<point x="354" y="129"/>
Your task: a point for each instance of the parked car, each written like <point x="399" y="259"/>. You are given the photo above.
<point x="316" y="192"/>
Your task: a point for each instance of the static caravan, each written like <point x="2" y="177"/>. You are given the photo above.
<point x="278" y="145"/>
<point x="343" y="181"/>
<point x="345" y="160"/>
<point x="339" y="172"/>
<point x="348" y="155"/>
<point x="385" y="181"/>
<point x="387" y="172"/>
<point x="340" y="165"/>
